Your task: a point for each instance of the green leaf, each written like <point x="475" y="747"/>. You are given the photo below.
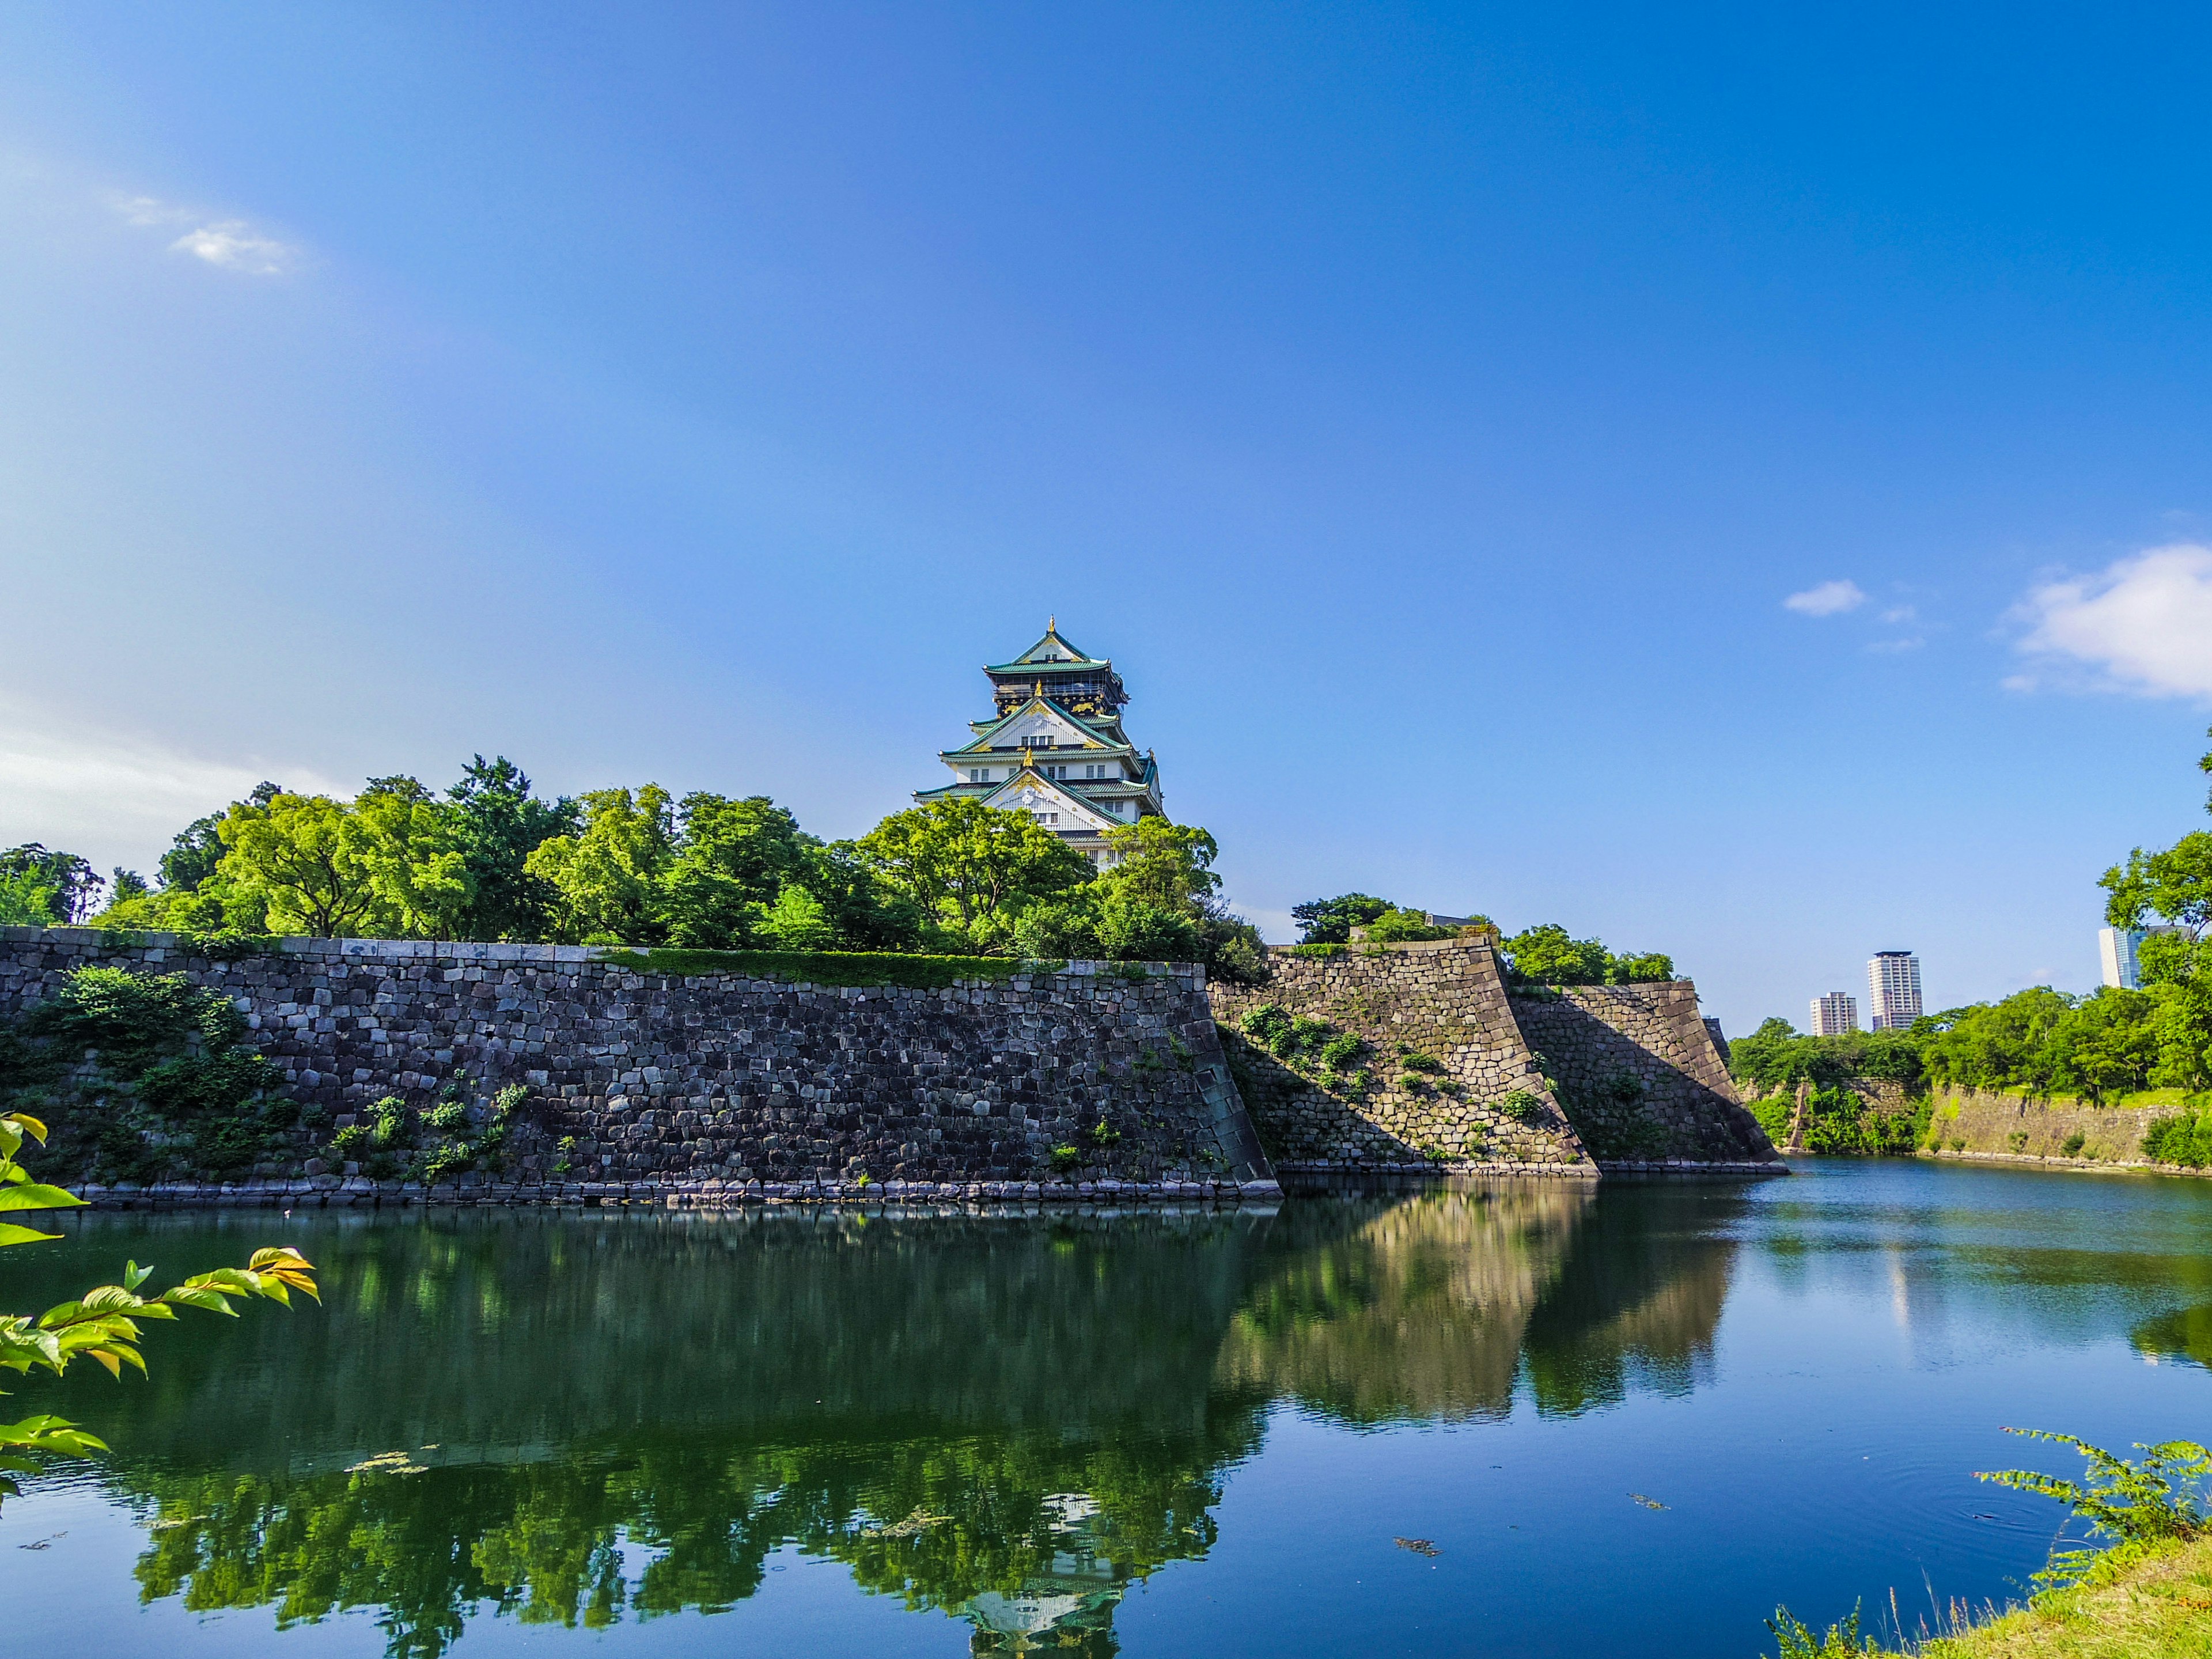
<point x="36" y="1195"/>
<point x="11" y="1234"/>
<point x="134" y="1275"/>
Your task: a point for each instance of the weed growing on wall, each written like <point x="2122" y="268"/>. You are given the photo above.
<point x="148" y="1076"/>
<point x="435" y="1144"/>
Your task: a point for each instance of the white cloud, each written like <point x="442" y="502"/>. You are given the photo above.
<point x="2143" y="624"/>
<point x="1828" y="600"/>
<point x="234" y="247"/>
<point x="231" y="243"/>
<point x="114" y="797"/>
<point x="1903" y="613"/>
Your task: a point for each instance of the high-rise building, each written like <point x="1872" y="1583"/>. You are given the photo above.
<point x="2116" y="951"/>
<point x="1053" y="748"/>
<point x="1893" y="990"/>
<point x="1835" y="1014"/>
<point x="2117" y="948"/>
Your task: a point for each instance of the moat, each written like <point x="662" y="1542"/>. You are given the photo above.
<point x="1521" y="1419"/>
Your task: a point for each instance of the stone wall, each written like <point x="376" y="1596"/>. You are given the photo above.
<point x="732" y="1084"/>
<point x="1639" y="1073"/>
<point x="1447" y="1000"/>
<point x="2009" y="1126"/>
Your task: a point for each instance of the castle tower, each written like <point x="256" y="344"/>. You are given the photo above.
<point x="1053" y="748"/>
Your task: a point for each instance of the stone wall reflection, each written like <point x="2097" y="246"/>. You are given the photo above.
<point x="1419" y="1310"/>
<point x="574" y="1422"/>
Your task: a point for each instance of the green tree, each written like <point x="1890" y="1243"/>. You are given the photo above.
<point x="416" y="866"/>
<point x="298" y="858"/>
<point x="2106" y="1044"/>
<point x="1547" y="955"/>
<point x="972" y="869"/>
<point x="71" y="884"/>
<point x="736" y="859"/>
<point x="609" y="875"/>
<point x="496" y="824"/>
<point x="796" y="921"/>
<point x="1330" y="921"/>
<point x="26" y="899"/>
<point x="1396" y="926"/>
<point x="198" y="848"/>
<point x="2175" y="884"/>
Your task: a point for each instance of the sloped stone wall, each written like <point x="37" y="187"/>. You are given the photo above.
<point x="730" y="1082"/>
<point x="1445" y="1000"/>
<point x="1637" y="1070"/>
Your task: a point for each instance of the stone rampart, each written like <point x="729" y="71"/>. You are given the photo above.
<point x="1379" y="1111"/>
<point x="1639" y="1073"/>
<point x="720" y="1083"/>
<point x="1488" y="1108"/>
<point x="1968" y="1122"/>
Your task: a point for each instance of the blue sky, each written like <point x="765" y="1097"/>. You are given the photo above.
<point x="1434" y="411"/>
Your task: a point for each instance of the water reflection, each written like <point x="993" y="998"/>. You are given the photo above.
<point x="2184" y="1334"/>
<point x="581" y="1421"/>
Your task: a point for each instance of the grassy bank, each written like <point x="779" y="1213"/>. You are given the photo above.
<point x="2157" y="1607"/>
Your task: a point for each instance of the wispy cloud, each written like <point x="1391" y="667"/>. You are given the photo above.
<point x="1828" y="600"/>
<point x="111" y="795"/>
<point x="1891" y="648"/>
<point x="2143" y="625"/>
<point x="230" y="244"/>
<point x="1901" y="614"/>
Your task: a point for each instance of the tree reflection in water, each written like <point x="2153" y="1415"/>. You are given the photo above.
<point x="1009" y="1420"/>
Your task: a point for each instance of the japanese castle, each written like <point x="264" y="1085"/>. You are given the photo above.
<point x="1054" y="748"/>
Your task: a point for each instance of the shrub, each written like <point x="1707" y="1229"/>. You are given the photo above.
<point x="2017" y="1141"/>
<point x="2073" y="1143"/>
<point x="1414" y="1060"/>
<point x="352" y="1141"/>
<point x="1341" y="1051"/>
<point x="1521" y="1106"/>
<point x="442" y="1161"/>
<point x="2185" y="1140"/>
<point x="2138" y="1505"/>
<point x="1065" y="1158"/>
<point x="1105" y="1134"/>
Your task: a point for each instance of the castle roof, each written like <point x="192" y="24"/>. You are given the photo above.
<point x="1051" y="654"/>
<point x="1097" y="734"/>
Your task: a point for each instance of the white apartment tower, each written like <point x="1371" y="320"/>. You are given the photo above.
<point x="1894" y="990"/>
<point x="2116" y="946"/>
<point x="1835" y="1014"/>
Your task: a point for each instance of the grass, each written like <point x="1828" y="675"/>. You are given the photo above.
<point x="2160" y="1608"/>
<point x="848" y="968"/>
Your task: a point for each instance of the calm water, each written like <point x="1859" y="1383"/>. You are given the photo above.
<point x="1523" y="1421"/>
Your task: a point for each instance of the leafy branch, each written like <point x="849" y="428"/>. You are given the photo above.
<point x="103" y="1324"/>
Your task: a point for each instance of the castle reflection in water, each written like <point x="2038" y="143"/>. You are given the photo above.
<point x="1011" y="1420"/>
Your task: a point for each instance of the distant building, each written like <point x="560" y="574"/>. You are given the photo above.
<point x="1893" y="990"/>
<point x="1835" y="1014"/>
<point x="2117" y="948"/>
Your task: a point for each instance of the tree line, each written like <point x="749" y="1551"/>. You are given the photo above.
<point x="2115" y="1041"/>
<point x="490" y="858"/>
<point x="1543" y="955"/>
